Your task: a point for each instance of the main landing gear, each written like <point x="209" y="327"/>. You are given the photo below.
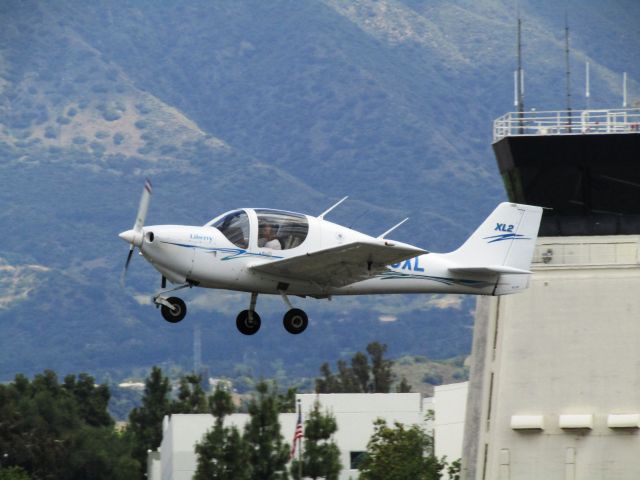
<point x="248" y="322"/>
<point x="295" y="321"/>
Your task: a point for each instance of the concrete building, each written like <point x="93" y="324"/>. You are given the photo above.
<point x="354" y="413"/>
<point x="449" y="404"/>
<point x="555" y="376"/>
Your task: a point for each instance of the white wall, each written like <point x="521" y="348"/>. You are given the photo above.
<point x="567" y="346"/>
<point x="450" y="407"/>
<point x="354" y="413"/>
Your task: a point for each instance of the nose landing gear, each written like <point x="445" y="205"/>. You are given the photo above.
<point x="173" y="309"/>
<point x="174" y="313"/>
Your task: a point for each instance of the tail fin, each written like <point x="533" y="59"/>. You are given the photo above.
<point x="503" y="244"/>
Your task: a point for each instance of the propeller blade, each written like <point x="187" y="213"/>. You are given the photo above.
<point x="126" y="266"/>
<point x="143" y="207"/>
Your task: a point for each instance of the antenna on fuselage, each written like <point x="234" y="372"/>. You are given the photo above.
<point x="391" y="229"/>
<point x="321" y="216"/>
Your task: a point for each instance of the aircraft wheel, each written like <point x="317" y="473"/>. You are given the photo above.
<point x="248" y="324"/>
<point x="176" y="315"/>
<point x="295" y="321"/>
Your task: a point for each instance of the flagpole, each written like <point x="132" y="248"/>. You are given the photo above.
<point x="300" y="442"/>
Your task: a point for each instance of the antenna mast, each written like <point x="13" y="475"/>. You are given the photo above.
<point x="587" y="93"/>
<point x="566" y="53"/>
<point x="519" y="76"/>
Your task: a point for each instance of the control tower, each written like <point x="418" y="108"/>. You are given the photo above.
<point x="554" y="391"/>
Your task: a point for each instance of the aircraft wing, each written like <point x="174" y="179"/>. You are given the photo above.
<point x="341" y="265"/>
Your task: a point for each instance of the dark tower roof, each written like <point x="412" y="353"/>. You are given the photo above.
<point x="585" y="165"/>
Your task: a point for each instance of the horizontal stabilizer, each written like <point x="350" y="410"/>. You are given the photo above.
<point x="489" y="270"/>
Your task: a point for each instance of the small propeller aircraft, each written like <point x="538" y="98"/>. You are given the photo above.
<point x="265" y="251"/>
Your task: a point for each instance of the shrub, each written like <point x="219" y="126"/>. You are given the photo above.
<point x="118" y="138"/>
<point x="50" y="132"/>
<point x="432" y="379"/>
<point x="99" y="88"/>
<point x="142" y="108"/>
<point x="144" y="150"/>
<point x="110" y="115"/>
<point x="97" y="148"/>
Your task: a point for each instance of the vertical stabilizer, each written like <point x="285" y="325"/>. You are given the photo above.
<point x="505" y="239"/>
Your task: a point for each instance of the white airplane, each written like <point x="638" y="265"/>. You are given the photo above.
<point x="265" y="251"/>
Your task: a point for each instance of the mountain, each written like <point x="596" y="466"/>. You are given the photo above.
<point x="286" y="104"/>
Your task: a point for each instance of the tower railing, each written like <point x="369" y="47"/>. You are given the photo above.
<point x="564" y="122"/>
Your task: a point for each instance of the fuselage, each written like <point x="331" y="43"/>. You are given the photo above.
<point x="221" y="253"/>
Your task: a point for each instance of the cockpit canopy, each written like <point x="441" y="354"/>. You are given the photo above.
<point x="277" y="230"/>
<point x="235" y="226"/>
<point x="289" y="229"/>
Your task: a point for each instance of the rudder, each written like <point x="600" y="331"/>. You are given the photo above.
<point x="506" y="238"/>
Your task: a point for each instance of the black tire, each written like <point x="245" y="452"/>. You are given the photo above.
<point x="295" y="321"/>
<point x="248" y="325"/>
<point x="174" y="316"/>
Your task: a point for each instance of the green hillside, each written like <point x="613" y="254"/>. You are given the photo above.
<point x="286" y="104"/>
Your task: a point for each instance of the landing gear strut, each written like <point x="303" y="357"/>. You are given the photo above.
<point x="248" y="321"/>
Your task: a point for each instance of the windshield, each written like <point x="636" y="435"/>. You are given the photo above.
<point x="235" y="226"/>
<point x="281" y="230"/>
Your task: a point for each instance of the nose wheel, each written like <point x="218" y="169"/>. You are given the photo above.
<point x="175" y="311"/>
<point x="295" y="321"/>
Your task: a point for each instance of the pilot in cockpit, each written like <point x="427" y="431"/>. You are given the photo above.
<point x="267" y="237"/>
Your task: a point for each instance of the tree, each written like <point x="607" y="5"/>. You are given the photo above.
<point x="48" y="430"/>
<point x="359" y="377"/>
<point x="328" y="382"/>
<point x="380" y="368"/>
<point x="145" y="422"/>
<point x="268" y="452"/>
<point x="321" y="456"/>
<point x="361" y="370"/>
<point x="346" y="378"/>
<point x="13" y="473"/>
<point x="453" y="469"/>
<point x="287" y="400"/>
<point x="399" y="453"/>
<point x="191" y="396"/>
<point x="403" y="386"/>
<point x="92" y="400"/>
<point x="223" y="454"/>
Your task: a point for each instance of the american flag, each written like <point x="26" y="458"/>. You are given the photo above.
<point x="297" y="435"/>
